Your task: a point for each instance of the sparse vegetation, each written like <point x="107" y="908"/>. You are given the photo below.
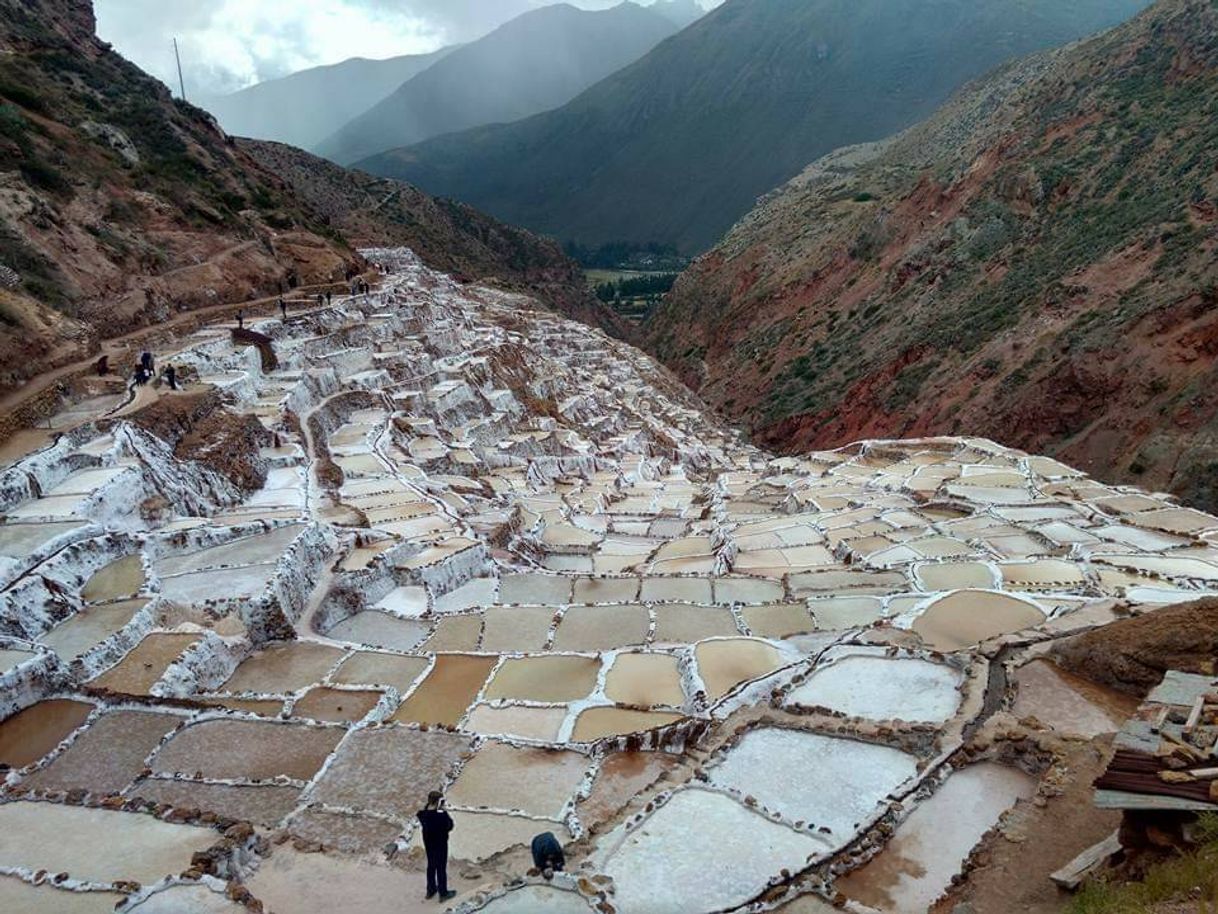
<point x="1191" y="878"/>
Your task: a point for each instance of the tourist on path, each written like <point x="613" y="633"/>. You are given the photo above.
<point x="547" y="855"/>
<point x="283" y="308"/>
<point x="171" y="377"/>
<point x="241" y="319"/>
<point x="436" y="824"/>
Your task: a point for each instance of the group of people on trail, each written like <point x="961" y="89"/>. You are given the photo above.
<point x="145" y="371"/>
<point x="436" y="824"/>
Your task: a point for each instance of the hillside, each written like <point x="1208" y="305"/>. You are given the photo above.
<point x="306" y="107"/>
<point x="121" y="207"/>
<point x="679" y="145"/>
<point x="536" y="62"/>
<point x="1036" y="263"/>
<point x="448" y="236"/>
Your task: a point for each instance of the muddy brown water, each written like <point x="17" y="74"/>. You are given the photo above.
<point x="972" y="616"/>
<point x="1069" y="703"/>
<point x="30" y="734"/>
<point x="118" y="580"/>
<point x="284" y="667"/>
<point x="597" y="723"/>
<point x="645" y="679"/>
<point x="548" y="679"/>
<point x="725" y="664"/>
<point x="536" y="781"/>
<point x="254" y="750"/>
<point x="449" y="689"/>
<point x="139" y="671"/>
<point x="335" y="705"/>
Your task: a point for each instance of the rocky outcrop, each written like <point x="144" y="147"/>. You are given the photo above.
<point x="1036" y="263"/>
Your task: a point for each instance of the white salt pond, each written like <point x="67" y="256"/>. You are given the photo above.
<point x="883" y="688"/>
<point x="701" y="851"/>
<point x="97" y="845"/>
<point x="536" y="899"/>
<point x="804" y="776"/>
<point x="931" y="845"/>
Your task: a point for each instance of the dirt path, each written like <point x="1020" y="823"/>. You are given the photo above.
<point x="1014" y="876"/>
<point x="15" y="400"/>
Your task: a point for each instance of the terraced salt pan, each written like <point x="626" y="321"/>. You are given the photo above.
<point x="96" y="845"/>
<point x="598" y="723"/>
<point x="143" y="666"/>
<point x="665" y="866"/>
<point x="591" y="628"/>
<point x="322" y="884"/>
<point x="931" y="845"/>
<point x="108" y="755"/>
<point x="389" y="770"/>
<point x="89" y="627"/>
<point x="23" y="898"/>
<point x="537" y="782"/>
<point x="342" y="833"/>
<point x="968" y="617"/>
<point x="545" y="679"/>
<point x="373" y="668"/>
<point x="30" y="734"/>
<point x="335" y="705"/>
<point x="120" y="579"/>
<point x="19" y="541"/>
<point x="517" y="721"/>
<point x="724" y="664"/>
<point x="835" y="784"/>
<point x="620" y="777"/>
<point x="645" y="679"/>
<point x="246" y="749"/>
<point x="188" y="899"/>
<point x="265" y="804"/>
<point x="250" y="550"/>
<point x="679" y="625"/>
<point x="379" y="629"/>
<point x="1068" y="703"/>
<point x="883" y="688"/>
<point x="478" y="836"/>
<point x="448" y="691"/>
<point x="12" y="658"/>
<point x="536" y="899"/>
<point x="284" y="667"/>
<point x="523" y="628"/>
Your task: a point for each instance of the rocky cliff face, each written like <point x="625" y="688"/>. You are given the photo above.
<point x="1037" y="263"/>
<point x="121" y="206"/>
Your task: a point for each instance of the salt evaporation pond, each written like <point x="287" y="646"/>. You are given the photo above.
<point x="881" y="688"/>
<point x="801" y="775"/>
<point x="929" y="848"/>
<point x="701" y="851"/>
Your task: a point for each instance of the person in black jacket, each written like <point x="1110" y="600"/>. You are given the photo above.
<point x="547" y="854"/>
<point x="436" y="824"/>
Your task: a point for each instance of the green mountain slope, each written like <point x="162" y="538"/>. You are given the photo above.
<point x="1037" y="263"/>
<point x="678" y="146"/>
<point x="536" y="62"/>
<point x="306" y="107"/>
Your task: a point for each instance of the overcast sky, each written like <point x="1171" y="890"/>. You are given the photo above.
<point x="229" y="44"/>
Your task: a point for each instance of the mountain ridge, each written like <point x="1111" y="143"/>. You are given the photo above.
<point x="305" y="107"/>
<point x="680" y="144"/>
<point x="533" y="63"/>
<point x="1035" y="263"/>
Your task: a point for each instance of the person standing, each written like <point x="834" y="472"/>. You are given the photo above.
<point x="436" y="824"/>
<point x="283" y="308"/>
<point x="241" y="319"/>
<point x="171" y="377"/>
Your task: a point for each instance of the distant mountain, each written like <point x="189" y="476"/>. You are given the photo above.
<point x="1037" y="263"/>
<point x="306" y="107"/>
<point x="678" y="146"/>
<point x="682" y="13"/>
<point x="536" y="62"/>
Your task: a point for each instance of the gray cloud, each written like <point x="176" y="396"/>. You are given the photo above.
<point x="229" y="44"/>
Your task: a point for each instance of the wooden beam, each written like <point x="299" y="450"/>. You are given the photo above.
<point x="1071" y="876"/>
